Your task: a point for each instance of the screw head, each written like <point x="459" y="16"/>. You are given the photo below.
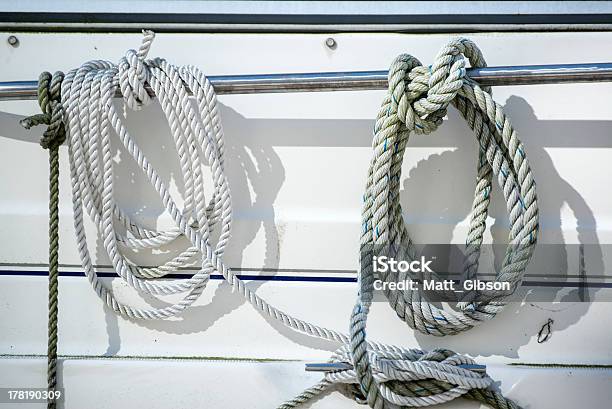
<point x="331" y="43"/>
<point x="13" y="41"/>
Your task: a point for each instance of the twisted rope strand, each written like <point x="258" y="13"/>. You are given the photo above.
<point x="416" y="102"/>
<point x="381" y="375"/>
<point x="49" y="100"/>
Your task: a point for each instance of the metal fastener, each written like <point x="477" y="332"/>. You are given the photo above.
<point x="13" y="41"/>
<point x="331" y="43"/>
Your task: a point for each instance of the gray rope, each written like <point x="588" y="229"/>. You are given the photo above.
<point x="49" y="100"/>
<point x="407" y="377"/>
<point x="417" y="100"/>
<point x="410" y="378"/>
<point x="388" y="377"/>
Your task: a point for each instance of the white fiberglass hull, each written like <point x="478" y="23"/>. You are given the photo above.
<point x="296" y="165"/>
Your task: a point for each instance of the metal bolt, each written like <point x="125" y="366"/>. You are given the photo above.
<point x="13" y="41"/>
<point x="331" y="43"/>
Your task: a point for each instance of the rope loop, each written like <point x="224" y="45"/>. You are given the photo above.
<point x="49" y="100"/>
<point x="427" y="378"/>
<point x="384" y="376"/>
<point x="419" y="95"/>
<point x="133" y="74"/>
<point x="406" y="378"/>
<point x="417" y="101"/>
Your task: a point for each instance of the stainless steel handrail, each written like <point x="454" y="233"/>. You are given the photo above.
<point x="368" y="80"/>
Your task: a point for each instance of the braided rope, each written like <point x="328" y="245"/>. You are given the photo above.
<point x="49" y="100"/>
<point x="385" y="375"/>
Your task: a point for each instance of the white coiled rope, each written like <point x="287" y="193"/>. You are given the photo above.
<point x="91" y="118"/>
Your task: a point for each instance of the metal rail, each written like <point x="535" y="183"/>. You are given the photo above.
<point x="368" y="80"/>
<point x="341" y="366"/>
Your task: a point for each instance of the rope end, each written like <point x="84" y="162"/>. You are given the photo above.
<point x="147" y="40"/>
<point x="25" y="122"/>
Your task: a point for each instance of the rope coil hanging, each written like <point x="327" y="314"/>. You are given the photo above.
<point x="385" y="375"/>
<point x="417" y="100"/>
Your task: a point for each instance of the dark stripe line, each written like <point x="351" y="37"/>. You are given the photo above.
<point x="303" y="19"/>
<point x="187" y="270"/>
<point x="256" y="277"/>
<point x="322" y="279"/>
<point x="564" y="284"/>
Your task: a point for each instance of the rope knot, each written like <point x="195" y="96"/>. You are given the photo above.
<point x="417" y="100"/>
<point x="420" y="95"/>
<point x="49" y="100"/>
<point x="133" y="74"/>
<point x="411" y="377"/>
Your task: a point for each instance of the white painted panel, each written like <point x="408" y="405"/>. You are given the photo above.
<point x="164" y="384"/>
<point x="275" y="141"/>
<point x="296" y="164"/>
<point x="221" y="324"/>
